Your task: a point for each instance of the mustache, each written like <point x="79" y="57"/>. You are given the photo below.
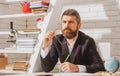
<point x="67" y="28"/>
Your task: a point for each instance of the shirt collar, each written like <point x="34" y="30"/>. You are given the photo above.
<point x="70" y="46"/>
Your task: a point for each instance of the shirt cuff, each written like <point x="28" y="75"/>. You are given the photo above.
<point x="44" y="52"/>
<point x="82" y="68"/>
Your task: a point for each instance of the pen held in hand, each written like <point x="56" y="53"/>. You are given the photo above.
<point x="67" y="57"/>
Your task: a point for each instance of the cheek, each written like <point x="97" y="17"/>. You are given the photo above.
<point x="63" y="27"/>
<point x="73" y="28"/>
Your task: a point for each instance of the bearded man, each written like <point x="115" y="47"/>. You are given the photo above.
<point x="75" y="50"/>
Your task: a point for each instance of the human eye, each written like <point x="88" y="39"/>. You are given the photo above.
<point x="71" y="22"/>
<point x="63" y="22"/>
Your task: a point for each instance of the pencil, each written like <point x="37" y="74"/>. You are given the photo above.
<point x="67" y="57"/>
<point x="65" y="61"/>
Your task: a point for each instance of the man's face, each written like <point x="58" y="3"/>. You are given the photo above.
<point x="70" y="26"/>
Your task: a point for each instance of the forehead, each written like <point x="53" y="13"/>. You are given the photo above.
<point x="66" y="17"/>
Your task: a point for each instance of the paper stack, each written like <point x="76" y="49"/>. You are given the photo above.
<point x="27" y="43"/>
<point x="39" y="6"/>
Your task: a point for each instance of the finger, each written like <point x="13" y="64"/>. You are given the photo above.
<point x="50" y="35"/>
<point x="61" y="65"/>
<point x="65" y="70"/>
<point x="65" y="67"/>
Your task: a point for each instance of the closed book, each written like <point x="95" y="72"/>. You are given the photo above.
<point x="20" y="65"/>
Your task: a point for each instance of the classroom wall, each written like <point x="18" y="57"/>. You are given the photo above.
<point x="100" y="20"/>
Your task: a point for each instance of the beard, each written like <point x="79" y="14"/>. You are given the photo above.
<point x="69" y="33"/>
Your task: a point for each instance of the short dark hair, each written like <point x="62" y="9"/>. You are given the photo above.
<point x="72" y="12"/>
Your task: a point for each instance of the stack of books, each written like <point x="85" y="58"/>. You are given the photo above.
<point x="26" y="43"/>
<point x="30" y="31"/>
<point x="39" y="6"/>
<point x="20" y="65"/>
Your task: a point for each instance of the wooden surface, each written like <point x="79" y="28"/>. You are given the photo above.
<point x="3" y="62"/>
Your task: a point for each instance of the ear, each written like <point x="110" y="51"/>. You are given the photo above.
<point x="79" y="25"/>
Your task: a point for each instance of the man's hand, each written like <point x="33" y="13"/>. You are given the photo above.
<point x="47" y="40"/>
<point x="69" y="67"/>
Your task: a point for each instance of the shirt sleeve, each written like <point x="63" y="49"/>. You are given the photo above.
<point x="44" y="52"/>
<point x="82" y="68"/>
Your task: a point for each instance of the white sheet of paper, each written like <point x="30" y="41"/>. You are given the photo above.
<point x="74" y="74"/>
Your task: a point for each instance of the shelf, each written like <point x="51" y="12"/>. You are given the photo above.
<point x="14" y="0"/>
<point x="30" y="31"/>
<point x="21" y="15"/>
<point x="4" y="33"/>
<point x="22" y="32"/>
<point x="9" y="50"/>
<point x="10" y="72"/>
<point x="19" y="32"/>
<point x="11" y="1"/>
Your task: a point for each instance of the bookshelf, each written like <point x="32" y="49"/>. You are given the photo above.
<point x="51" y="19"/>
<point x="19" y="16"/>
